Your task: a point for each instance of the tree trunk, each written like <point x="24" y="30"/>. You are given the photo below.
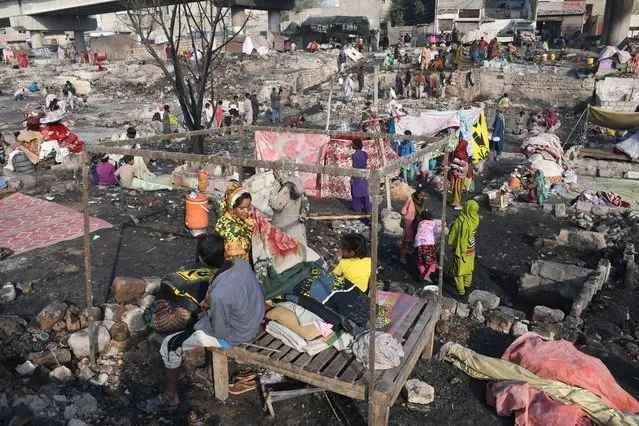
<point x="197" y="145"/>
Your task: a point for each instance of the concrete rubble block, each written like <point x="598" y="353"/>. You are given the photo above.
<point x="391" y="222"/>
<point x="26" y="368"/>
<point x="632" y="175"/>
<point x="146" y="301"/>
<point x="418" y="392"/>
<point x="52" y="357"/>
<point x="488" y="299"/>
<point x="559" y="272"/>
<point x="478" y="312"/>
<point x="126" y="289"/>
<point x="547" y="208"/>
<point x="61" y="374"/>
<point x="12" y="324"/>
<point x="463" y="310"/>
<point x="519" y="329"/>
<point x="25" y="287"/>
<point x="110" y="309"/>
<point x="600" y="210"/>
<point x="449" y="307"/>
<point x="79" y="341"/>
<point x="7" y="293"/>
<point x="152" y="285"/>
<point x="51" y="314"/>
<point x="97" y="313"/>
<point x="585" y="240"/>
<point x="584" y="206"/>
<point x="500" y="320"/>
<point x="546" y="314"/>
<point x="134" y="319"/>
<point x="560" y="210"/>
<point x="72" y="321"/>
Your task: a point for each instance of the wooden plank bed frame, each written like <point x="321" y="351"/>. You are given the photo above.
<point x="337" y="371"/>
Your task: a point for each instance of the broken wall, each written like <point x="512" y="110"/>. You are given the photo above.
<point x="618" y="94"/>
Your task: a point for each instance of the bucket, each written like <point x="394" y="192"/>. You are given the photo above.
<point x="590" y="61"/>
<point x="552" y="56"/>
<point x="197" y="211"/>
<point x="544" y="57"/>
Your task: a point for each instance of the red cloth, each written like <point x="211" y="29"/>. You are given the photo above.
<point x="338" y="154"/>
<point x="560" y="360"/>
<point x="532" y="407"/>
<point x="61" y="133"/>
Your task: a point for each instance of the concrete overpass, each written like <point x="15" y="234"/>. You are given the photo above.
<point x="38" y="16"/>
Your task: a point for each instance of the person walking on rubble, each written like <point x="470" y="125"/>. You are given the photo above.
<point x="426" y="57"/>
<point x="341" y="60"/>
<point x="499" y="128"/>
<point x="276" y="108"/>
<point x="359" y="186"/>
<point x="462" y="239"/>
<point x="360" y="79"/>
<point x="412" y="210"/>
<point x="248" y="109"/>
<point x="166" y="120"/>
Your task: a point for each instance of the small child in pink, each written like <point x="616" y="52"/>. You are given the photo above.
<point x="426" y="240"/>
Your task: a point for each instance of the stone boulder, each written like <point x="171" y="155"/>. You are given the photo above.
<point x="12" y="324"/>
<point x="53" y="357"/>
<point x="51" y="314"/>
<point x="463" y="311"/>
<point x="519" y="329"/>
<point x="584" y="240"/>
<point x="503" y="318"/>
<point x="7" y="293"/>
<point x="127" y="289"/>
<point x="79" y="341"/>
<point x="61" y="374"/>
<point x="478" y="312"/>
<point x="418" y="392"/>
<point x="134" y="319"/>
<point x="546" y="314"/>
<point x="391" y="222"/>
<point x="488" y="299"/>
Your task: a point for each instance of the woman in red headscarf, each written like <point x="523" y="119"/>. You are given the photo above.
<point x="459" y="172"/>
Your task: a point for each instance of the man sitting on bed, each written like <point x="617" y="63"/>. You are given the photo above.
<point x="236" y="310"/>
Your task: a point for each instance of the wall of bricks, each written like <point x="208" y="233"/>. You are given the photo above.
<point x="618" y="94"/>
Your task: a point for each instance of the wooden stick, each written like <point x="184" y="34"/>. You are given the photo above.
<point x="376" y="85"/>
<point x="241" y="169"/>
<point x="372" y="294"/>
<point x="382" y="150"/>
<point x="87" y="256"/>
<point x="342" y="217"/>
<point x="330" y="99"/>
<point x="442" y="234"/>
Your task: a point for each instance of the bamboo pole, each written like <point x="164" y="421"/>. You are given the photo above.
<point x="372" y="294"/>
<point x="376" y="85"/>
<point x="87" y="255"/>
<point x="342" y="217"/>
<point x="241" y="168"/>
<point x="442" y="238"/>
<point x="382" y="150"/>
<point x="231" y="161"/>
<point x="330" y="99"/>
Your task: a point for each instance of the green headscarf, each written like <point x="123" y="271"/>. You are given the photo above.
<point x="463" y="228"/>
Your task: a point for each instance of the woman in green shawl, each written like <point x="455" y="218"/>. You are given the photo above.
<point x="537" y="189"/>
<point x="462" y="239"/>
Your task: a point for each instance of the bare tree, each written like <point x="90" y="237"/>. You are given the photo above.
<point x="185" y="25"/>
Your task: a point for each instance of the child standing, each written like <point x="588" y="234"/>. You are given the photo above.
<point x="406" y="148"/>
<point x="105" y="171"/>
<point x="426" y="240"/>
<point x="355" y="265"/>
<point x="359" y="186"/>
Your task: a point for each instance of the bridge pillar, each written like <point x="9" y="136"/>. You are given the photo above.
<point x="78" y="42"/>
<point x="274" y="20"/>
<point x="238" y="18"/>
<point x="37" y="41"/>
<point x="619" y="21"/>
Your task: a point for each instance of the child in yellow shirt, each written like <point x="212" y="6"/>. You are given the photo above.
<point x="355" y="265"/>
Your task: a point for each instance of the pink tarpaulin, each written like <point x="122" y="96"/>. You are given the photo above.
<point x="303" y="148"/>
<point x="532" y="407"/>
<point x="560" y="360"/>
<point x="429" y="123"/>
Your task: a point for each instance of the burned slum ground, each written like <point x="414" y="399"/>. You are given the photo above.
<point x="563" y="270"/>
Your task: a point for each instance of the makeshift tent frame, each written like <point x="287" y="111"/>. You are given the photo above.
<point x="378" y="406"/>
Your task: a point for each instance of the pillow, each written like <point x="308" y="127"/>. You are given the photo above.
<point x="288" y="319"/>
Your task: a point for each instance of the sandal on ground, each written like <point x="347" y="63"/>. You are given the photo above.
<point x="244" y="377"/>
<point x="156" y="405"/>
<point x="242" y="387"/>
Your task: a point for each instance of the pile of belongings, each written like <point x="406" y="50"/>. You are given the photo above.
<point x="547" y="383"/>
<point x="602" y="198"/>
<point x="544" y="152"/>
<point x="312" y="308"/>
<point x="46" y="135"/>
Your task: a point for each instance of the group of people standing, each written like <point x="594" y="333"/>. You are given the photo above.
<point x="422" y="234"/>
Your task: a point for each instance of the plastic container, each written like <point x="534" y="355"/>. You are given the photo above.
<point x="552" y="56"/>
<point x="544" y="57"/>
<point x="590" y="61"/>
<point x="197" y="211"/>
